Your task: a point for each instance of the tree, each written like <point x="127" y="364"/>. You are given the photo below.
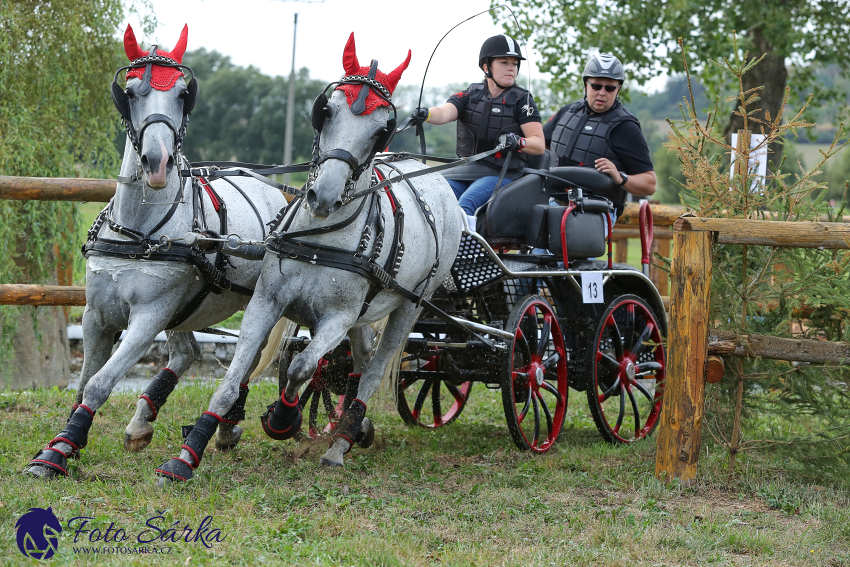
<point x="241" y="113"/>
<point x="793" y="36"/>
<point x="56" y="120"/>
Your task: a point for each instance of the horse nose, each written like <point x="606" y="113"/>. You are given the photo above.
<point x="320" y="208"/>
<point x="157" y="164"/>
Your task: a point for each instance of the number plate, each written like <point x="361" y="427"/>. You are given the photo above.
<point x="591" y="287"/>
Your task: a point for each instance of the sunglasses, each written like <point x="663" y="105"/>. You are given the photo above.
<point x="608" y="88"/>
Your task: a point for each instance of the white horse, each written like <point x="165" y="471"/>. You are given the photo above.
<point x="337" y="260"/>
<point x="138" y="282"/>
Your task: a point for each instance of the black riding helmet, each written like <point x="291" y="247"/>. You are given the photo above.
<point x="498" y="46"/>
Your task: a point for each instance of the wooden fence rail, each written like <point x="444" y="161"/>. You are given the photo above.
<point x="692" y="348"/>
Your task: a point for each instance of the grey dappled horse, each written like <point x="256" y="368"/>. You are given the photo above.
<point x="330" y="300"/>
<point x="125" y="291"/>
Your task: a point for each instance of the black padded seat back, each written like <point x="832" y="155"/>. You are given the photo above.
<point x="585" y="233"/>
<point x="539" y="162"/>
<point x="585" y="177"/>
<point x="509" y="211"/>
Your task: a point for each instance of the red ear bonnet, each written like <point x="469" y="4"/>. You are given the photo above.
<point x="162" y="78"/>
<point x="352" y="67"/>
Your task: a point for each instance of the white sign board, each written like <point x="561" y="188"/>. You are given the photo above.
<point x="758" y="160"/>
<point x="591" y="287"/>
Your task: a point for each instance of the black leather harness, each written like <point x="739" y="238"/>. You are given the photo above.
<point x="142" y="247"/>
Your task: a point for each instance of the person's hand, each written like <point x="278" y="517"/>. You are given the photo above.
<point x="606" y="166"/>
<point x="513" y="142"/>
<point x="420" y="115"/>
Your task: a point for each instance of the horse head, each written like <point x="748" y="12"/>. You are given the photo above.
<point x="351" y="127"/>
<point x="155" y="105"/>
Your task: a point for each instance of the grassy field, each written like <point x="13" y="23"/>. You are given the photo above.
<point x="462" y="495"/>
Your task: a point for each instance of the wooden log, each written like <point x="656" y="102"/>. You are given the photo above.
<point x="663" y="277"/>
<point x="715" y="368"/>
<point x="662" y="215"/>
<point x="727" y="343"/>
<point x="56" y="189"/>
<point x="621" y="250"/>
<point x="19" y="294"/>
<point x="679" y="434"/>
<point x="626" y="233"/>
<point x="826" y="235"/>
<point x="656" y="274"/>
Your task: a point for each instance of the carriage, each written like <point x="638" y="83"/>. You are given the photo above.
<point x="532" y="314"/>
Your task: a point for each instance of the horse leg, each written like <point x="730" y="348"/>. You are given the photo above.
<point x="183" y="350"/>
<point x="362" y="344"/>
<point x="282" y="419"/>
<point x="97" y="348"/>
<point x="395" y="335"/>
<point x="260" y="317"/>
<point x="229" y="433"/>
<point x="52" y="460"/>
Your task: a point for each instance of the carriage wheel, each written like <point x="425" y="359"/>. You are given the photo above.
<point x="534" y="376"/>
<point x="626" y="365"/>
<point x="316" y="393"/>
<point x="420" y="388"/>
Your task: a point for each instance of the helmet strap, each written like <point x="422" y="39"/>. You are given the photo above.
<point x="489" y="74"/>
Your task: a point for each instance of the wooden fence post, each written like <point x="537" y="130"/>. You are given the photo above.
<point x="679" y="435"/>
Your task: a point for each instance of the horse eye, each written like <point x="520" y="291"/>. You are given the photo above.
<point x="130" y="93"/>
<point x="184" y="93"/>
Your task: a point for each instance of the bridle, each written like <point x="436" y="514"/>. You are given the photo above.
<point x="319" y="114"/>
<point x="121" y="99"/>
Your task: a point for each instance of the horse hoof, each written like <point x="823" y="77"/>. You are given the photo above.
<point x="136" y="442"/>
<point x="331" y="459"/>
<point x="367" y="434"/>
<point x="44" y="473"/>
<point x="228" y="443"/>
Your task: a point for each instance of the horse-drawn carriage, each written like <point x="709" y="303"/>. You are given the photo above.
<point x="519" y="286"/>
<point x="522" y="306"/>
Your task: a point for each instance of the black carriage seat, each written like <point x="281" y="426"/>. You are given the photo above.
<point x="503" y="220"/>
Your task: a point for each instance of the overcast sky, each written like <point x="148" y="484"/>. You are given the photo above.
<point x="259" y="33"/>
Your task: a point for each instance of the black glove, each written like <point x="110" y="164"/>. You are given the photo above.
<point x="512" y="142"/>
<point x="420" y="115"/>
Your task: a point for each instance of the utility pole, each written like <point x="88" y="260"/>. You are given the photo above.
<point x="290" y="109"/>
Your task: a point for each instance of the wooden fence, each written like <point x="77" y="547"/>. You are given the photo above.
<point x="101" y="190"/>
<point x="693" y="351"/>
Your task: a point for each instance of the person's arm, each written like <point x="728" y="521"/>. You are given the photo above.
<point x="442" y="114"/>
<point x="535" y="145"/>
<point x="639" y="184"/>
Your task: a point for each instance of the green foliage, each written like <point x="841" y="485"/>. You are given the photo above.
<point x="762" y="290"/>
<point x="643" y="35"/>
<point x="56" y="120"/>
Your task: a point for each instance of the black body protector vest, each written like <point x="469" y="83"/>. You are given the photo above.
<point x="485" y="119"/>
<point x="581" y="137"/>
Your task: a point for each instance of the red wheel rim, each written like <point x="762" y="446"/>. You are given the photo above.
<point x="434" y="389"/>
<point x="628" y="374"/>
<point x="538" y="367"/>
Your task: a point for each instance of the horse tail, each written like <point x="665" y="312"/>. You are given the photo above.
<point x="280" y="333"/>
<point x="391" y="372"/>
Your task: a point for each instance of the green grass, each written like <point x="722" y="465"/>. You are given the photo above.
<point x="461" y="495"/>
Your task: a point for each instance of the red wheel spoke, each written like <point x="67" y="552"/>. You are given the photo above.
<point x="420" y="399"/>
<point x="546" y="413"/>
<point x="644" y="336"/>
<point x="622" y="410"/>
<point x="643" y="390"/>
<point x="607" y="361"/>
<point x="456" y="394"/>
<point x="635" y="409"/>
<point x="547" y="364"/>
<point x="536" y="438"/>
<point x="524" y="411"/>
<point x="552" y="390"/>
<point x="607" y="393"/>
<point x="543" y="340"/>
<point x="647" y="367"/>
<point x="435" y="403"/>
<point x="629" y="331"/>
<point x="616" y="337"/>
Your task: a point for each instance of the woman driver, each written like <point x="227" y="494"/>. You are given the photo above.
<point x="484" y="112"/>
